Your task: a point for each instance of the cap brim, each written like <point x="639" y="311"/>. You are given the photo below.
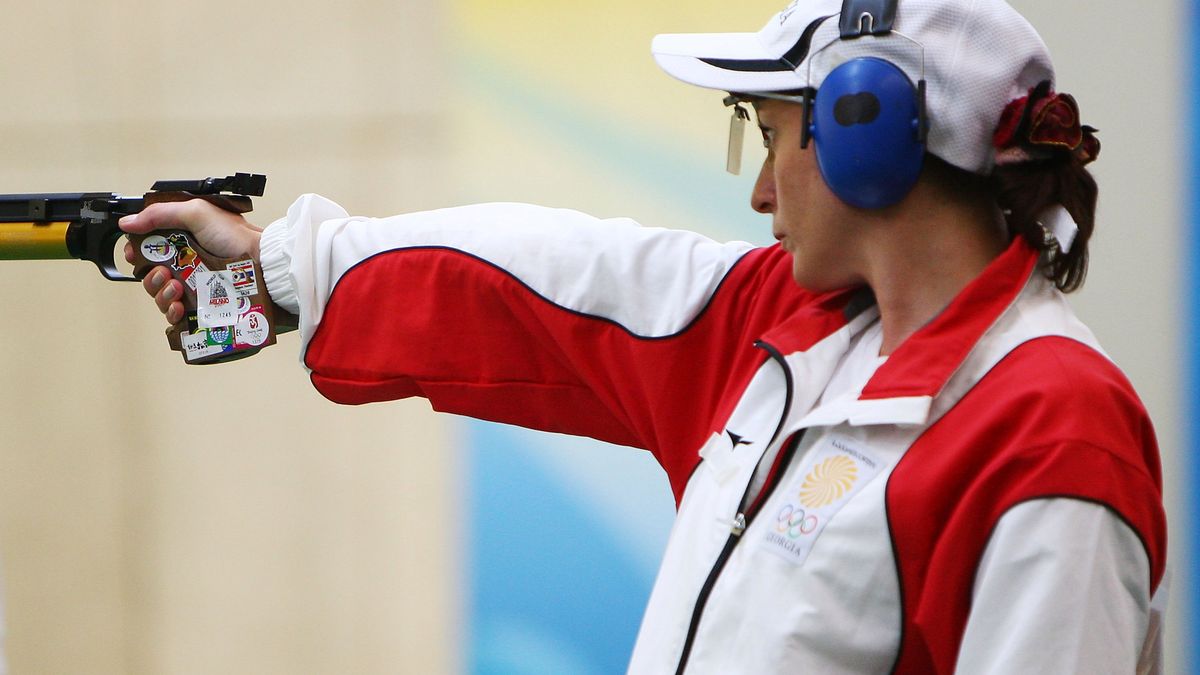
<point x="735" y="62"/>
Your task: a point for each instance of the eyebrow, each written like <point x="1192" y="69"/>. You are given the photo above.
<point x="757" y="104"/>
<point x="758" y="116"/>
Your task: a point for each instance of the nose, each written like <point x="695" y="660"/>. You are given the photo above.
<point x="762" y="199"/>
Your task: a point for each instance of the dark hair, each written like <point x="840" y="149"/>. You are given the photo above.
<point x="1026" y="191"/>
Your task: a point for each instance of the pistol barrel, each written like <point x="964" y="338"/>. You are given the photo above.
<point x="34" y="241"/>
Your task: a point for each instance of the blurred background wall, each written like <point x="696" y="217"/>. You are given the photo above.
<point x="162" y="519"/>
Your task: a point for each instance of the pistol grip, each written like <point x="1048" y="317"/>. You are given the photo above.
<point x="228" y="313"/>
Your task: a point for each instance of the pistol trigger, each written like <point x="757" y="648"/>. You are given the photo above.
<point x="107" y="262"/>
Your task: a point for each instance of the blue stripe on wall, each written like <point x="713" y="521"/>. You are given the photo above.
<point x="1192" y="357"/>
<point x="553" y="588"/>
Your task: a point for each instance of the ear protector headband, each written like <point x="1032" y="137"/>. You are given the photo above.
<point x="867" y="118"/>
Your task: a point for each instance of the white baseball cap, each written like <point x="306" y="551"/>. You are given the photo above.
<point x="975" y="56"/>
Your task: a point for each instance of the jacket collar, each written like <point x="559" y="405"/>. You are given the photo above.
<point x="903" y="389"/>
<point x="924" y="362"/>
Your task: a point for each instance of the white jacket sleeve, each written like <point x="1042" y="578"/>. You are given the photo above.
<point x="652" y="281"/>
<point x="1063" y="587"/>
<point x="545" y="318"/>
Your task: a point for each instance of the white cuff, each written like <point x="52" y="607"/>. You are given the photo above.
<point x="276" y="263"/>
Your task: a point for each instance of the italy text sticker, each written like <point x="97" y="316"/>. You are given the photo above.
<point x="835" y="473"/>
<point x="216" y="305"/>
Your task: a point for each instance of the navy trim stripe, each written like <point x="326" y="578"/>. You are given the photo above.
<point x="750" y="65"/>
<point x="791" y="60"/>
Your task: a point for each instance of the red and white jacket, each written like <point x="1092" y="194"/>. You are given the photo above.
<point x="990" y="502"/>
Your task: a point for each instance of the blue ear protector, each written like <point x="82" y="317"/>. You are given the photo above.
<point x="868" y="120"/>
<point x="868" y="124"/>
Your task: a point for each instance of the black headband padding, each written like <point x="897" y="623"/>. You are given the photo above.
<point x="882" y="12"/>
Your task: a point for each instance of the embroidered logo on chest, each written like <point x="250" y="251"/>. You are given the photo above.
<point x="836" y="470"/>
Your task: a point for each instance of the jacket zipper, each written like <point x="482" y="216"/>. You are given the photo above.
<point x="739" y="526"/>
<point x="740" y="522"/>
<point x="744" y="516"/>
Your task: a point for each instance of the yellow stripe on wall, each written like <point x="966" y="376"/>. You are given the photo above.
<point x="599" y="53"/>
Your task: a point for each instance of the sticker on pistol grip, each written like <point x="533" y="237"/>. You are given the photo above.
<point x="188" y="275"/>
<point x="196" y="346"/>
<point x="245" y="284"/>
<point x="221" y="336"/>
<point x="157" y="249"/>
<point x="184" y="259"/>
<point x="251" y="329"/>
<point x="216" y="304"/>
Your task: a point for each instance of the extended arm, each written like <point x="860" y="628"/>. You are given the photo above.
<point x="546" y="318"/>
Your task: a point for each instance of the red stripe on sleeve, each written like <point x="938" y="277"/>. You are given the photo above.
<point x="474" y="340"/>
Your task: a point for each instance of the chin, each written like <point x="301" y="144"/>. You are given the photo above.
<point x="818" y="278"/>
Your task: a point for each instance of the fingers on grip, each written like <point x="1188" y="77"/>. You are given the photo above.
<point x="167" y="293"/>
<point x="169" y="297"/>
<point x="174" y="313"/>
<point x="154" y="281"/>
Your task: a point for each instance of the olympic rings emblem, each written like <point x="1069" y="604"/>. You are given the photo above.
<point x="795" y="522"/>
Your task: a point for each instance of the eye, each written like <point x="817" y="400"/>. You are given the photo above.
<point x="768" y="135"/>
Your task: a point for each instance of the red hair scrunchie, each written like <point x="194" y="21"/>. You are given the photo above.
<point x="1041" y="125"/>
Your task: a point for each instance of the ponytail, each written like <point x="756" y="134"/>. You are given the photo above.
<point x="1041" y="157"/>
<point x="1028" y="192"/>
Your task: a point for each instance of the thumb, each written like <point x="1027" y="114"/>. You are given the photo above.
<point x="163" y="216"/>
